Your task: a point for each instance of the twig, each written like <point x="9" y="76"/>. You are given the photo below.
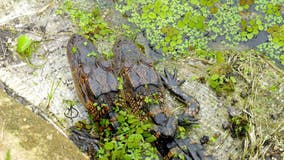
<point x="248" y="113"/>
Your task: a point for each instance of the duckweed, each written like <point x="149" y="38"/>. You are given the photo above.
<point x="177" y="27"/>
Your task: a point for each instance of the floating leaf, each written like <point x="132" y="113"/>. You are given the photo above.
<point x="195" y="2"/>
<point x="250" y="35"/>
<point x="180" y="24"/>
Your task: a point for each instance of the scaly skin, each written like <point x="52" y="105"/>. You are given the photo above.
<point x="96" y="82"/>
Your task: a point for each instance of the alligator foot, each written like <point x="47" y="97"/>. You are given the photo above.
<point x="188" y="150"/>
<point x="171" y="82"/>
<point x="84" y="141"/>
<point x="164" y="126"/>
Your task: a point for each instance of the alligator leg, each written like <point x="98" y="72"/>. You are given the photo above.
<point x="171" y="82"/>
<point x="184" y="147"/>
<point x="195" y="150"/>
<point x="165" y="126"/>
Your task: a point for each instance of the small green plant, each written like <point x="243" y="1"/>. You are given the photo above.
<point x="50" y="95"/>
<point x="273" y="9"/>
<point x="83" y="125"/>
<point x="25" y="48"/>
<point x="240" y="126"/>
<point x="220" y="75"/>
<point x="151" y="100"/>
<point x="123" y="144"/>
<point x="181" y="132"/>
<point x="222" y="83"/>
<point x="89" y="21"/>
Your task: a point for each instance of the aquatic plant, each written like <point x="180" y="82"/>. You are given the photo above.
<point x="251" y="28"/>
<point x="277" y="34"/>
<point x="167" y="24"/>
<point x="194" y="25"/>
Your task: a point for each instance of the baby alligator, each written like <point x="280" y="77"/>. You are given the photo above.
<point x="99" y="89"/>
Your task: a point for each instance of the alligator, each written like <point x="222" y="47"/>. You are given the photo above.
<point x="129" y="77"/>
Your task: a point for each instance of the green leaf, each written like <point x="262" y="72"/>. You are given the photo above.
<point x="94" y="54"/>
<point x="250" y="35"/>
<point x="214" y="77"/>
<point x="24" y="42"/>
<point x="152" y="15"/>
<point x="151" y="139"/>
<point x="249" y="29"/>
<point x="180" y="24"/>
<point x="282" y="57"/>
<point x="260" y="27"/>
<point x="146" y="126"/>
<point x="139" y="130"/>
<point x="233" y="79"/>
<point x="134" y="139"/>
<point x="109" y="145"/>
<point x="195" y="2"/>
<point x="258" y="22"/>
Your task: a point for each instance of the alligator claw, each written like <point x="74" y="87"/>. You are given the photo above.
<point x="175" y="74"/>
<point x="171" y="79"/>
